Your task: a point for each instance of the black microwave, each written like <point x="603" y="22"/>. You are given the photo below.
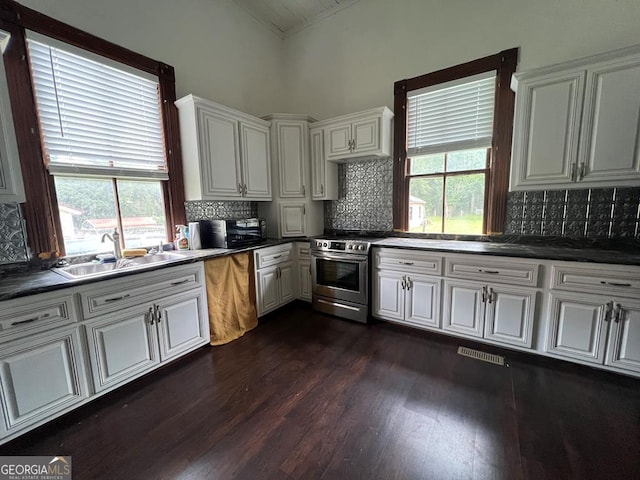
<point x="232" y="233"/>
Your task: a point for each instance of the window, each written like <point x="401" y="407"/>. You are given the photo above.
<point x="452" y="148"/>
<point x="103" y="143"/>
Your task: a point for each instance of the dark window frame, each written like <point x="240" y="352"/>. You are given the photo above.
<point x="40" y="209"/>
<point x="505" y="64"/>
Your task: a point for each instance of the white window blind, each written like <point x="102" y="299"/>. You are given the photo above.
<point x="96" y="120"/>
<point x="451" y="116"/>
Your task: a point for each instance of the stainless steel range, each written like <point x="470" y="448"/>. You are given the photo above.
<point x="340" y="277"/>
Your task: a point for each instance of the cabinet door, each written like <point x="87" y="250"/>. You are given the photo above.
<point x="256" y="163"/>
<point x="292" y="154"/>
<point x="463" y="308"/>
<point x="338" y="141"/>
<point x="577" y="328"/>
<point x="609" y="136"/>
<point x="422" y="305"/>
<point x="388" y="301"/>
<point x="546" y="130"/>
<point x="366" y="135"/>
<point x="304" y="281"/>
<point x="182" y="322"/>
<point x="292" y="219"/>
<point x="40" y="378"/>
<point x="324" y="175"/>
<point x="219" y="155"/>
<point x="267" y="291"/>
<point x="11" y="186"/>
<point x="623" y="350"/>
<point x="121" y="346"/>
<point x="509" y="317"/>
<point x="285" y="280"/>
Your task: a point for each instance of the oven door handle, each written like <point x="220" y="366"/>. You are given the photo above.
<point x="346" y="258"/>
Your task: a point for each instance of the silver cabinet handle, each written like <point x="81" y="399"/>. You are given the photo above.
<point x="115" y="299"/>
<point x="404" y="283"/>
<point x="574" y="171"/>
<point x="409" y="283"/>
<point x="321" y="189"/>
<point x="173" y="284"/>
<point x="614" y="284"/>
<point x="158" y="314"/>
<point x="244" y="190"/>
<point x="150" y="317"/>
<point x="581" y="171"/>
<point x="608" y="311"/>
<point x="492" y="272"/>
<point x="617" y="312"/>
<point x="484" y="294"/>
<point x="303" y="191"/>
<point x="240" y="188"/>
<point x="490" y="295"/>
<point x="277" y="256"/>
<point x="31" y="320"/>
<point x="405" y="263"/>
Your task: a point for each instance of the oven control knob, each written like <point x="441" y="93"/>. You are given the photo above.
<point x="361" y="247"/>
<point x="325" y="244"/>
<point x="350" y="247"/>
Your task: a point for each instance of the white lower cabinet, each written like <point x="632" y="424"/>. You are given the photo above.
<point x="274" y="277"/>
<point x="413" y="299"/>
<point x="595" y="329"/>
<point x="126" y="345"/>
<point x="494" y="312"/>
<point x="42" y="376"/>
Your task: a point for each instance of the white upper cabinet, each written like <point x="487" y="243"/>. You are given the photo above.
<point x="324" y="175"/>
<point x="11" y="186"/>
<point x="225" y="152"/>
<point x="577" y="124"/>
<point x="359" y="135"/>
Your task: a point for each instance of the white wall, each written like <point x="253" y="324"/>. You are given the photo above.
<point x="218" y="50"/>
<point x="349" y="62"/>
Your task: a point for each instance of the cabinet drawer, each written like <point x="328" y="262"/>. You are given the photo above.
<point x="265" y="257"/>
<point x="413" y="261"/>
<point x="303" y="250"/>
<point x="114" y="295"/>
<point x="26" y="316"/>
<point x="618" y="281"/>
<point x="493" y="269"/>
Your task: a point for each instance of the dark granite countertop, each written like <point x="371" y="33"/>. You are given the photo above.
<point x="17" y="285"/>
<point x="542" y="252"/>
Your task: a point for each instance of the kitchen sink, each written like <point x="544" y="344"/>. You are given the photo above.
<point x="91" y="269"/>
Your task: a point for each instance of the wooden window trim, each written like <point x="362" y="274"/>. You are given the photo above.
<point x="41" y="206"/>
<point x="505" y="63"/>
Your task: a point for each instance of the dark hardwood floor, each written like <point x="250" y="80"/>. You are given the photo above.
<point x="306" y="396"/>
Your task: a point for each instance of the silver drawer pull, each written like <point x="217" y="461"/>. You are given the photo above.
<point x="277" y="256"/>
<point x="30" y="320"/>
<point x="173" y="284"/>
<point x="405" y="263"/>
<point x="115" y="299"/>
<point x="614" y="284"/>
<point x="492" y="272"/>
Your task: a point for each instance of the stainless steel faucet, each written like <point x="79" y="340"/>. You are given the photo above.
<point x="115" y="238"/>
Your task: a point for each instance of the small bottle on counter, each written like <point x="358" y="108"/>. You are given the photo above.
<point x="182" y="237"/>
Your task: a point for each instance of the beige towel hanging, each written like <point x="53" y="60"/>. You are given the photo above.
<point x="231" y="296"/>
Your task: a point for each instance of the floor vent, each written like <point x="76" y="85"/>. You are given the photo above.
<point x="478" y="355"/>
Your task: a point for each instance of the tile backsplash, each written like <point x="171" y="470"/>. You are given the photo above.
<point x="201" y="210"/>
<point x="13" y="238"/>
<point x="588" y="213"/>
<point x="366" y="197"/>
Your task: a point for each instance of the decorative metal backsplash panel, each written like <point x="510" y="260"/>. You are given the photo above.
<point x="201" y="210"/>
<point x="589" y="213"/>
<point x="366" y="197"/>
<point x="13" y="238"/>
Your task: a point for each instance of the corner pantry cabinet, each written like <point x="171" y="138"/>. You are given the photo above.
<point x="576" y="124"/>
<point x="293" y="212"/>
<point x="225" y="153"/>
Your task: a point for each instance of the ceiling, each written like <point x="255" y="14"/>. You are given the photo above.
<point x="286" y="17"/>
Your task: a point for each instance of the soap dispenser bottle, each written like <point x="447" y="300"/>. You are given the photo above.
<point x="182" y="237"/>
